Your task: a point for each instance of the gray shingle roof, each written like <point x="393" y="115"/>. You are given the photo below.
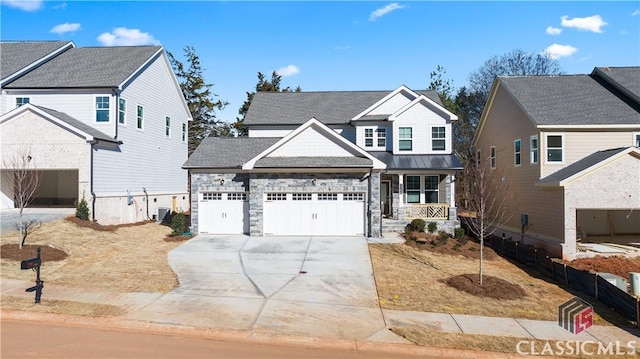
<point x="214" y="152"/>
<point x="569" y="100"/>
<point x="580" y="165"/>
<point x="16" y="55"/>
<point x="313" y="162"/>
<point x="625" y="78"/>
<point x="88" y="67"/>
<point x="78" y="124"/>
<point x="412" y="162"/>
<point x="330" y="108"/>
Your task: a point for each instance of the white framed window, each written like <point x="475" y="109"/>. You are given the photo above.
<point x="382" y="137"/>
<point x="301" y="196"/>
<point x="555" y="148"/>
<point x="122" y="111"/>
<point x="327" y="196"/>
<point x="533" y="149"/>
<point x="517" y="152"/>
<point x="184" y="132"/>
<point x="353" y="197"/>
<point x="167" y="126"/>
<point x="492" y="156"/>
<point x="236" y="196"/>
<point x="431" y="189"/>
<point x="21" y="101"/>
<point x="276" y="196"/>
<point x="368" y="137"/>
<point x="102" y="109"/>
<point x="212" y="196"/>
<point x="438" y="136"/>
<point x="140" y="117"/>
<point x="412" y="185"/>
<point x="406" y="138"/>
<point x="636" y="139"/>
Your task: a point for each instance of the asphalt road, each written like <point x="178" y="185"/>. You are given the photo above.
<point x="9" y="217"/>
<point x="24" y="339"/>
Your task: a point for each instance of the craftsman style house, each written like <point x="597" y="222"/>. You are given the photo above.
<point x="329" y="163"/>
<point x="105" y="123"/>
<point x="568" y="147"/>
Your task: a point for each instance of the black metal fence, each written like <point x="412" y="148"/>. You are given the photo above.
<point x="583" y="281"/>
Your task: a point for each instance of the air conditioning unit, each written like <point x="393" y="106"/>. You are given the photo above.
<point x="164" y="215"/>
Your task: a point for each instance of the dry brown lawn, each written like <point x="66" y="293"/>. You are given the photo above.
<point x="60" y="307"/>
<point x="125" y="259"/>
<point x="409" y="279"/>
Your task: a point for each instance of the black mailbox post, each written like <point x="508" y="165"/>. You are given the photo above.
<point x="34" y="264"/>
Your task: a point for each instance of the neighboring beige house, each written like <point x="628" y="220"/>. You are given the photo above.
<point x="106" y="123"/>
<point x="568" y="147"/>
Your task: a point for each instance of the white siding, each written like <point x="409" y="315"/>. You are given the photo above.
<point x="392" y="105"/>
<point x="420" y="118"/>
<point x="282" y="131"/>
<point x="311" y="143"/>
<point x="360" y="139"/>
<point x="147" y="158"/>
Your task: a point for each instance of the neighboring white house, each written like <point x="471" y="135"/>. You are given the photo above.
<point x="568" y="147"/>
<point x="329" y="163"/>
<point x="105" y="123"/>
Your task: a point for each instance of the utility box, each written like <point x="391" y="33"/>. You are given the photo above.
<point x="164" y="215"/>
<point x="634" y="280"/>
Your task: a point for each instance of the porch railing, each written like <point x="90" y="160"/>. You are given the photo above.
<point x="427" y="211"/>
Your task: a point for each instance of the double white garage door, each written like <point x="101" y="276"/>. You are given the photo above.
<point x="285" y="213"/>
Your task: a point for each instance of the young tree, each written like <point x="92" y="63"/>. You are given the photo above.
<point x="263" y="85"/>
<point x="201" y="101"/>
<point x="26" y="181"/>
<point x="488" y="196"/>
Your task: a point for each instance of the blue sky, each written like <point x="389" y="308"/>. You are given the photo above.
<point x="337" y="45"/>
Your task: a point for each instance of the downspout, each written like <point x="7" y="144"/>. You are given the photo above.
<point x="369" y="221"/>
<point x="93" y="195"/>
<point x="147" y="200"/>
<point x="116" y="93"/>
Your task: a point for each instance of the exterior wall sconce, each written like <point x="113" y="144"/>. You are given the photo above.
<point x="313" y="182"/>
<point x="222" y="182"/>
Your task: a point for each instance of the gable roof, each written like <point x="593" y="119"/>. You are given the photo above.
<point x="572" y="100"/>
<point x="18" y="56"/>
<point x="330" y="108"/>
<point x="217" y="152"/>
<point x="584" y="165"/>
<point x="62" y="119"/>
<point x="625" y="79"/>
<point x="88" y="67"/>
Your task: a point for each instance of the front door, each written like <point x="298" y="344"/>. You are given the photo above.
<point x="385" y="197"/>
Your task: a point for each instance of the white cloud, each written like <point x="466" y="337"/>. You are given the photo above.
<point x="25" y="5"/>
<point x="385" y="10"/>
<point x="592" y="23"/>
<point x="66" y="27"/>
<point x="289" y="70"/>
<point x="635" y="13"/>
<point x="553" y="30"/>
<point x="121" y="36"/>
<point x="556" y="51"/>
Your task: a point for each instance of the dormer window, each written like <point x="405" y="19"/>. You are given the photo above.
<point x="375" y="138"/>
<point x="368" y="137"/>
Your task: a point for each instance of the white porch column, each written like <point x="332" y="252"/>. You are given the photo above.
<point x="400" y="190"/>
<point x="452" y="183"/>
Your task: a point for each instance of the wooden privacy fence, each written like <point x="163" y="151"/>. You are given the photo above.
<point x="584" y="281"/>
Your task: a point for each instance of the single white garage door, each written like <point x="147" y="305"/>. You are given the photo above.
<point x="223" y="213"/>
<point x="330" y="214"/>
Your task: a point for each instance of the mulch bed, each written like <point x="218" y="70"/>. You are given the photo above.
<point x="620" y="266"/>
<point x="177" y="238"/>
<point x="466" y="246"/>
<point x="491" y="287"/>
<point x="98" y="227"/>
<point x="49" y="254"/>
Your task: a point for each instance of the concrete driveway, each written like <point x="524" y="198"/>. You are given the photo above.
<point x="9" y="217"/>
<point x="313" y="286"/>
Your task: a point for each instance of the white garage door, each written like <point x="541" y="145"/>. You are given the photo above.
<point x="223" y="213"/>
<point x="327" y="214"/>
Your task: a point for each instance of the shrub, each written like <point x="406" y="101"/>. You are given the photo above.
<point x="458" y="232"/>
<point x="82" y="210"/>
<point x="432" y="227"/>
<point x="417" y="225"/>
<point x="178" y="224"/>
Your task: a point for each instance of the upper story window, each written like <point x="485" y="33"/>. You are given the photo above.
<point x="368" y="137"/>
<point x="554" y="148"/>
<point x="167" y="127"/>
<point x="382" y="137"/>
<point x="438" y="135"/>
<point x="184" y="132"/>
<point x="636" y="141"/>
<point x="21" y="101"/>
<point x="533" y="148"/>
<point x="140" y="117"/>
<point x="492" y="156"/>
<point x="102" y="109"/>
<point x="517" y="152"/>
<point x="122" y="110"/>
<point x="406" y="139"/>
